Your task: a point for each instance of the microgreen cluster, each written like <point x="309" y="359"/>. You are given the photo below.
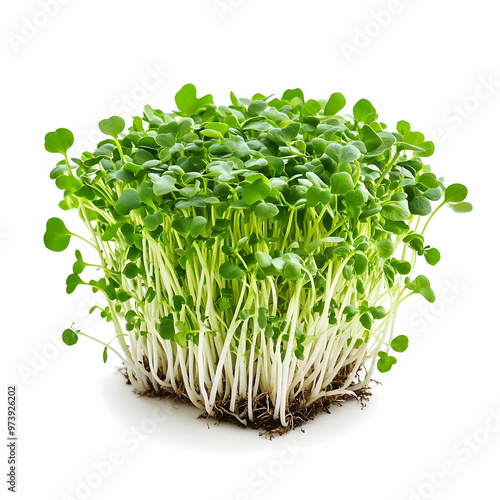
<point x="258" y="248"/>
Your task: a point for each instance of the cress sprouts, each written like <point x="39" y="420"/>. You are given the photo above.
<point x="260" y="248"/>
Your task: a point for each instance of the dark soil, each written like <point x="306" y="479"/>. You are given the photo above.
<point x="299" y="412"/>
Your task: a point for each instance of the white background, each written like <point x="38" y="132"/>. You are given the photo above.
<point x="421" y="60"/>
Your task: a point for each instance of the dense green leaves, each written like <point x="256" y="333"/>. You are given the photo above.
<point x="277" y="219"/>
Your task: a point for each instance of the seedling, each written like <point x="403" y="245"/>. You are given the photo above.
<point x="253" y="256"/>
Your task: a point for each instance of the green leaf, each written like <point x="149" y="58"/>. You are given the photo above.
<point x="128" y="200"/>
<point x="313" y="245"/>
<point x="360" y="263"/>
<point x="422" y="286"/>
<point x="57" y="236"/>
<point x="385" y="248"/>
<point x="365" y="321"/>
<point x="178" y="302"/>
<point x="335" y="103"/>
<point x="395" y="210"/>
<point x="256" y="108"/>
<point x="432" y="256"/>
<point x="400" y="343"/>
<point x="311" y="108"/>
<point x="131" y="270"/>
<point x="369" y="213"/>
<point x="69" y="337"/>
<point x="197" y="225"/>
<point x="355" y="198"/>
<point x="292" y="271"/>
<point x="105" y="354"/>
<point x="401" y="266"/>
<point x="263" y="259"/>
<point x="256" y="191"/>
<point x="341" y="183"/>
<point x="266" y="210"/>
<point x="317" y="195"/>
<point x="342" y="154"/>
<point x="290" y="94"/>
<point x="162" y="185"/>
<point x="284" y="135"/>
<point x="385" y="362"/>
<point x="59" y="141"/>
<point x="420" y="206"/>
<point x="370" y="138"/>
<point x="379" y="312"/>
<point x="433" y="194"/>
<point x="428" y="148"/>
<point x="188" y="102"/>
<point x="167" y="328"/>
<point x="79" y="265"/>
<point x="230" y="271"/>
<point x="461" y="208"/>
<point x="151" y="222"/>
<point x="364" y="111"/>
<point x="181" y="337"/>
<point x="455" y="193"/>
<point x="429" y="179"/>
<point x="72" y="281"/>
<point x="262" y="317"/>
<point x="113" y="126"/>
